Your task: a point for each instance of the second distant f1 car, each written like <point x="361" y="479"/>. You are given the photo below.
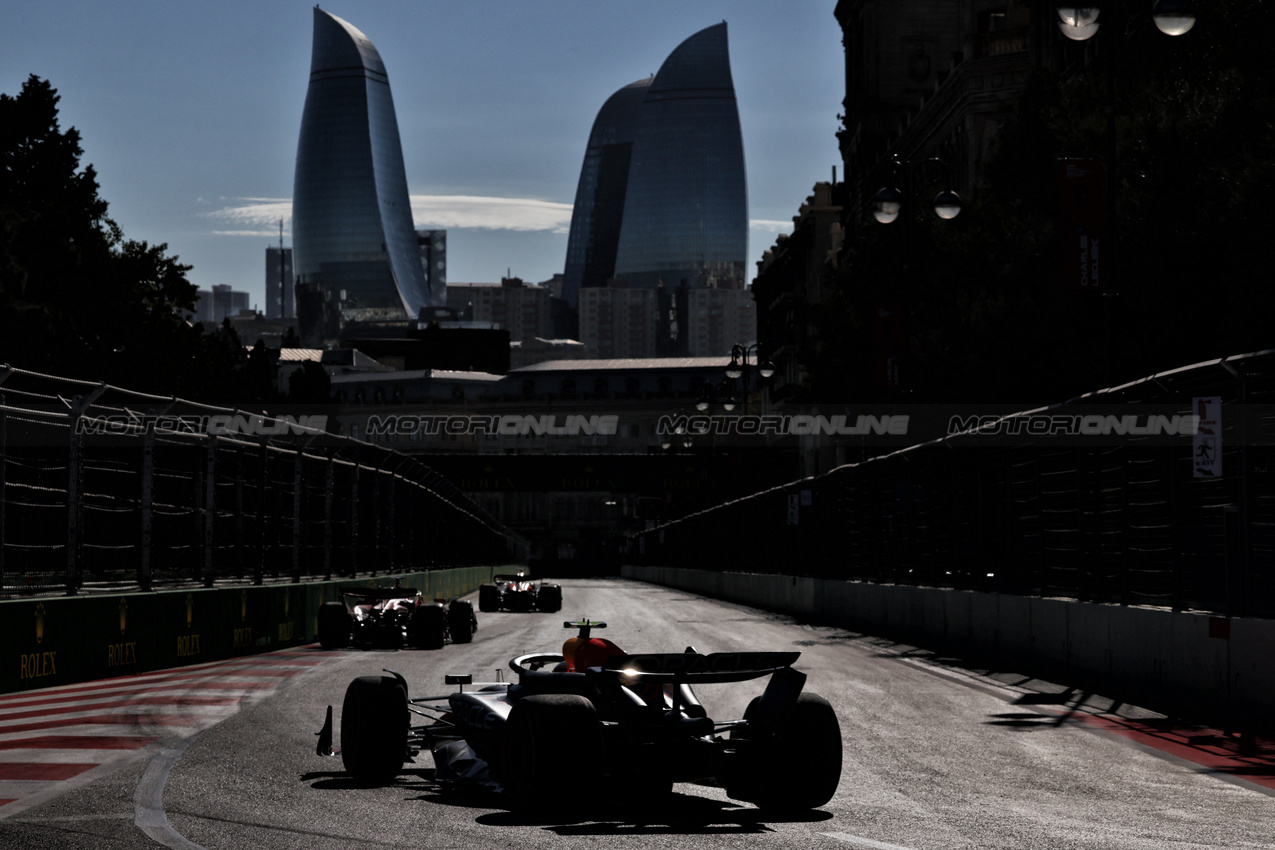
<point x="519" y="592"/>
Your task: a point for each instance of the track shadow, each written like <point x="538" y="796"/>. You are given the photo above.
<point x="678" y="814"/>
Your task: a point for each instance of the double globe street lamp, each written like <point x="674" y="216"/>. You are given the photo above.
<point x="1079" y="23"/>
<point x="887" y="203"/>
<point x="739" y="367"/>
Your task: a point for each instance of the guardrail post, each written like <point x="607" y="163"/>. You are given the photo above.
<point x="147" y="505"/>
<point x="210" y="508"/>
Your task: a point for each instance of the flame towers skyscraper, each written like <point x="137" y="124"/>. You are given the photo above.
<point x="354" y="245"/>
<point x="662" y="197"/>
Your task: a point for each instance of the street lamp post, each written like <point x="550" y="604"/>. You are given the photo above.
<point x="888" y="202"/>
<point x="1079" y="20"/>
<point x="907" y="179"/>
<point x="739" y="367"/>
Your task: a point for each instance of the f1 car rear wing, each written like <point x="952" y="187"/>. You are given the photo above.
<point x="380" y="593"/>
<point x="693" y="667"/>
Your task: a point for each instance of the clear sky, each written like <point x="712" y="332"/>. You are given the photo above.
<point x="190" y="110"/>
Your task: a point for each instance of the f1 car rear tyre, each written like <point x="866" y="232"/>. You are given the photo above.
<point x="374" y="721"/>
<point x="334" y="625"/>
<point x="793" y="765"/>
<point x="549" y="598"/>
<point x="550" y="738"/>
<point x="460" y="621"/>
<point x="488" y="598"/>
<point x="428" y="627"/>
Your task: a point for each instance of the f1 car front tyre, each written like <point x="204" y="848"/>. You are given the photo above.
<point x="374" y="721"/>
<point x="334" y="625"/>
<point x="791" y="765"/>
<point x="460" y="621"/>
<point x="550" y="739"/>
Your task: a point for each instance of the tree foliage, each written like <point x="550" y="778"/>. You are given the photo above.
<point x="1193" y="167"/>
<point x="77" y="299"/>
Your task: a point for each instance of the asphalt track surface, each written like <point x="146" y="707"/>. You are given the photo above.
<point x="937" y="757"/>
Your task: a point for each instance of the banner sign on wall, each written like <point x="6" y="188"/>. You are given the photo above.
<point x="1206" y="457"/>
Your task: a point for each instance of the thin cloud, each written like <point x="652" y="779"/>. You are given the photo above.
<point x="261" y="216"/>
<point x="764" y="224"/>
<point x="483" y="213"/>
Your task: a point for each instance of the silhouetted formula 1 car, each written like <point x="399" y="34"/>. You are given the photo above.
<point x="519" y="593"/>
<point x="394" y="617"/>
<point x="629" y="724"/>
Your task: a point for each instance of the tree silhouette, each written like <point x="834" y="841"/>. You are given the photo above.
<point x="77" y="298"/>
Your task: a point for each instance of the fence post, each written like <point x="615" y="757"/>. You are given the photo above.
<point x="258" y="575"/>
<point x="296" y="515"/>
<point x="327" y="522"/>
<point x="240" y="541"/>
<point x="389" y="522"/>
<point x="210" y="509"/>
<point x="74" y="502"/>
<point x="354" y="522"/>
<point x="147" y="505"/>
<point x="376" y="514"/>
<point x="3" y="455"/>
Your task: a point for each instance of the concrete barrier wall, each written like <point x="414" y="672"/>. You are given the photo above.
<point x="62" y="640"/>
<point x="1223" y="668"/>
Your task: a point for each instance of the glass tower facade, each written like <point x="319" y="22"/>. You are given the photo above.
<point x="662" y="198"/>
<point x="354" y="245"/>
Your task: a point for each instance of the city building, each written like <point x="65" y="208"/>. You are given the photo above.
<point x="356" y="255"/>
<point x="616" y="321"/>
<point x="662" y="197"/>
<point x="522" y="309"/>
<point x="432" y="245"/>
<point x="281" y="302"/>
<point x="717" y="319"/>
<point x="222" y="302"/>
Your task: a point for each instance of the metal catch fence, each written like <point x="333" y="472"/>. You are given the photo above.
<point x="103" y="488"/>
<point x="1011" y="507"/>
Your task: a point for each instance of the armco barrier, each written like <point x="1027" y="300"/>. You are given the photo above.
<point x="1215" y="668"/>
<point x="62" y="640"/>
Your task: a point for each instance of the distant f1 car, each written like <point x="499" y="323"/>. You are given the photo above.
<point x="519" y="592"/>
<point x="394" y="617"/>
<point x="596" y="717"/>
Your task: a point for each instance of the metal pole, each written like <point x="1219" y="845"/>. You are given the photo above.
<point x="354" y="523"/>
<point x="210" y="508"/>
<point x="327" y="522"/>
<point x="260" y="566"/>
<point x="240" y="541"/>
<point x="376" y="514"/>
<point x="3" y="449"/>
<point x="296" y="516"/>
<point x="147" y="506"/>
